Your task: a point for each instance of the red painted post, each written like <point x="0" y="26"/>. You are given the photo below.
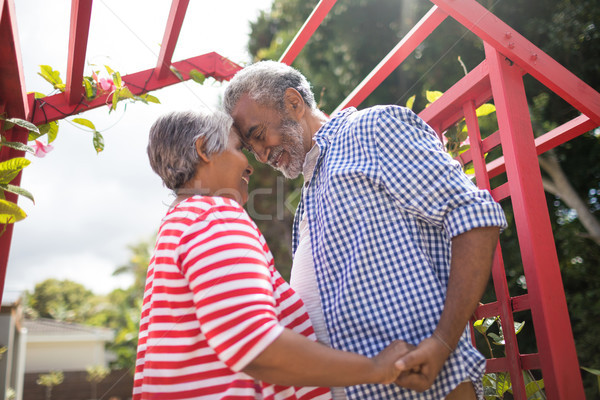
<point x="403" y="49"/>
<point x="555" y="342"/>
<point x="498" y="273"/>
<point x="308" y="29"/>
<point x="14" y="103"/>
<point x="172" y="30"/>
<point x="81" y="12"/>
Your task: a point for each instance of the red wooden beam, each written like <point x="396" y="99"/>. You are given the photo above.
<point x="403" y="49"/>
<point x="306" y="31"/>
<point x="81" y="12"/>
<point x="534" y="61"/>
<point x="14" y="103"/>
<point x="557" y="136"/>
<point x="540" y="262"/>
<point x="56" y="107"/>
<point x="174" y="23"/>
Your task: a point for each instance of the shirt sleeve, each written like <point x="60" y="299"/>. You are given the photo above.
<point x="227" y="270"/>
<point x="423" y="179"/>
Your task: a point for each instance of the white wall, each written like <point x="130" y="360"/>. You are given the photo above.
<point x="64" y="356"/>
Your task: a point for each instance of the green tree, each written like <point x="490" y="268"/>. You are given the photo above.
<point x="49" y="380"/>
<point x="95" y="375"/>
<point x="61" y="300"/>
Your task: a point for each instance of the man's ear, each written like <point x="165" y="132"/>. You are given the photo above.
<point x="200" y="150"/>
<point x="294" y="103"/>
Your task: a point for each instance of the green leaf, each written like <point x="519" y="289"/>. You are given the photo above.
<point x="176" y="72"/>
<point x="482" y="325"/>
<point x="519" y="326"/>
<point x="117" y="79"/>
<point x="503" y="383"/>
<point x="9" y="169"/>
<point x="115" y="100"/>
<point x="85" y="122"/>
<point x="593" y="371"/>
<point x="535" y="388"/>
<point x="10" y="212"/>
<point x="23" y="124"/>
<point x="109" y="70"/>
<point x="125" y="93"/>
<point x="98" y="142"/>
<point x="411" y="101"/>
<point x="52" y="77"/>
<point x="197" y="76"/>
<point x="433" y="95"/>
<point x="485" y="109"/>
<point x="149" y="98"/>
<point x="18" y="146"/>
<point x="38" y="95"/>
<point x="90" y="90"/>
<point x="51" y="129"/>
<point x="17" y="190"/>
<point x="497" y="339"/>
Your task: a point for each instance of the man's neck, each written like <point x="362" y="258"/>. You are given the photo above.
<point x="316" y="119"/>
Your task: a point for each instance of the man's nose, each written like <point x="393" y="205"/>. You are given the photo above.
<point x="261" y="154"/>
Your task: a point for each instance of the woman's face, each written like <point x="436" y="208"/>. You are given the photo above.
<point x="232" y="170"/>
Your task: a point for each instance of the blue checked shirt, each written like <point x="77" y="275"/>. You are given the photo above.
<point x="382" y="206"/>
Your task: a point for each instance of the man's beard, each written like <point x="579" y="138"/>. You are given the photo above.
<point x="292" y="144"/>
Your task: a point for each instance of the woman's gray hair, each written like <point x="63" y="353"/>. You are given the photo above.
<point x="266" y="83"/>
<point x="171" y="145"/>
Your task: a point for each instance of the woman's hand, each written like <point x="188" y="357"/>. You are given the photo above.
<point x="385" y="369"/>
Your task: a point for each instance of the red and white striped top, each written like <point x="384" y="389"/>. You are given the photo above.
<point x="213" y="302"/>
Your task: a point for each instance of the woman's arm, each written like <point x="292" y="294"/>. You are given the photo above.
<point x="294" y="360"/>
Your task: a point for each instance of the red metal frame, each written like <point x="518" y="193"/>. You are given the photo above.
<point x="174" y="23"/>
<point x="499" y="76"/>
<point x="57" y="107"/>
<point x="81" y="13"/>
<point x="13" y="102"/>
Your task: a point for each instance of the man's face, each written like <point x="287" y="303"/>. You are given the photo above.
<point x="274" y="139"/>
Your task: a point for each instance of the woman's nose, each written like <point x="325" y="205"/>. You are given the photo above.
<point x="249" y="169"/>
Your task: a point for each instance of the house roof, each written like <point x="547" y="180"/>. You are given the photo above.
<point x="45" y="329"/>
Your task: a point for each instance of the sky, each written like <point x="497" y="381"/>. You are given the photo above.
<point x="89" y="208"/>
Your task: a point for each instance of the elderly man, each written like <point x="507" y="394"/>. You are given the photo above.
<point x="391" y="240"/>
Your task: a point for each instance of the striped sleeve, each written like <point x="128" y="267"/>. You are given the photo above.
<point x="225" y="264"/>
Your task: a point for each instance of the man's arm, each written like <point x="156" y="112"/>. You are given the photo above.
<point x="472" y="256"/>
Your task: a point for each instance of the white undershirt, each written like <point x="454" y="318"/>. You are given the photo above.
<point x="303" y="279"/>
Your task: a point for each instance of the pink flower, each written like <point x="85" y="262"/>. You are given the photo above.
<point x="107" y="84"/>
<point x="41" y="149"/>
<point x="95" y="76"/>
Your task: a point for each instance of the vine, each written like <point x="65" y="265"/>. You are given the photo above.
<point x="98" y="83"/>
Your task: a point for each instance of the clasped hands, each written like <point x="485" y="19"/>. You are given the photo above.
<point x="412" y="367"/>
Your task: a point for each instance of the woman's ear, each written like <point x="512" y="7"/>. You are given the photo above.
<point x="294" y="103"/>
<point x="200" y="150"/>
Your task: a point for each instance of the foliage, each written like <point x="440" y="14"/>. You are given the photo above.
<point x="49" y="380"/>
<point x="115" y="90"/>
<point x="95" y="375"/>
<point x="61" y="300"/>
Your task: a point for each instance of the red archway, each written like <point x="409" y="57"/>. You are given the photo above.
<point x="508" y="56"/>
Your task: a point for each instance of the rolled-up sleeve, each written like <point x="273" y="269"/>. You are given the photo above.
<point x="415" y="170"/>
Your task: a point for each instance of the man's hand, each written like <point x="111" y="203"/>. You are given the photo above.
<point x="385" y="362"/>
<point x="421" y="366"/>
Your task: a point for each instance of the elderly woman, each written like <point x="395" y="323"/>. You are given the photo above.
<point x="218" y="321"/>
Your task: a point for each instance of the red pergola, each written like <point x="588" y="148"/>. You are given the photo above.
<point x="508" y="56"/>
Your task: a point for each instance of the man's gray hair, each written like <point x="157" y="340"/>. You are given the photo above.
<point x="266" y="83"/>
<point x="171" y="145"/>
